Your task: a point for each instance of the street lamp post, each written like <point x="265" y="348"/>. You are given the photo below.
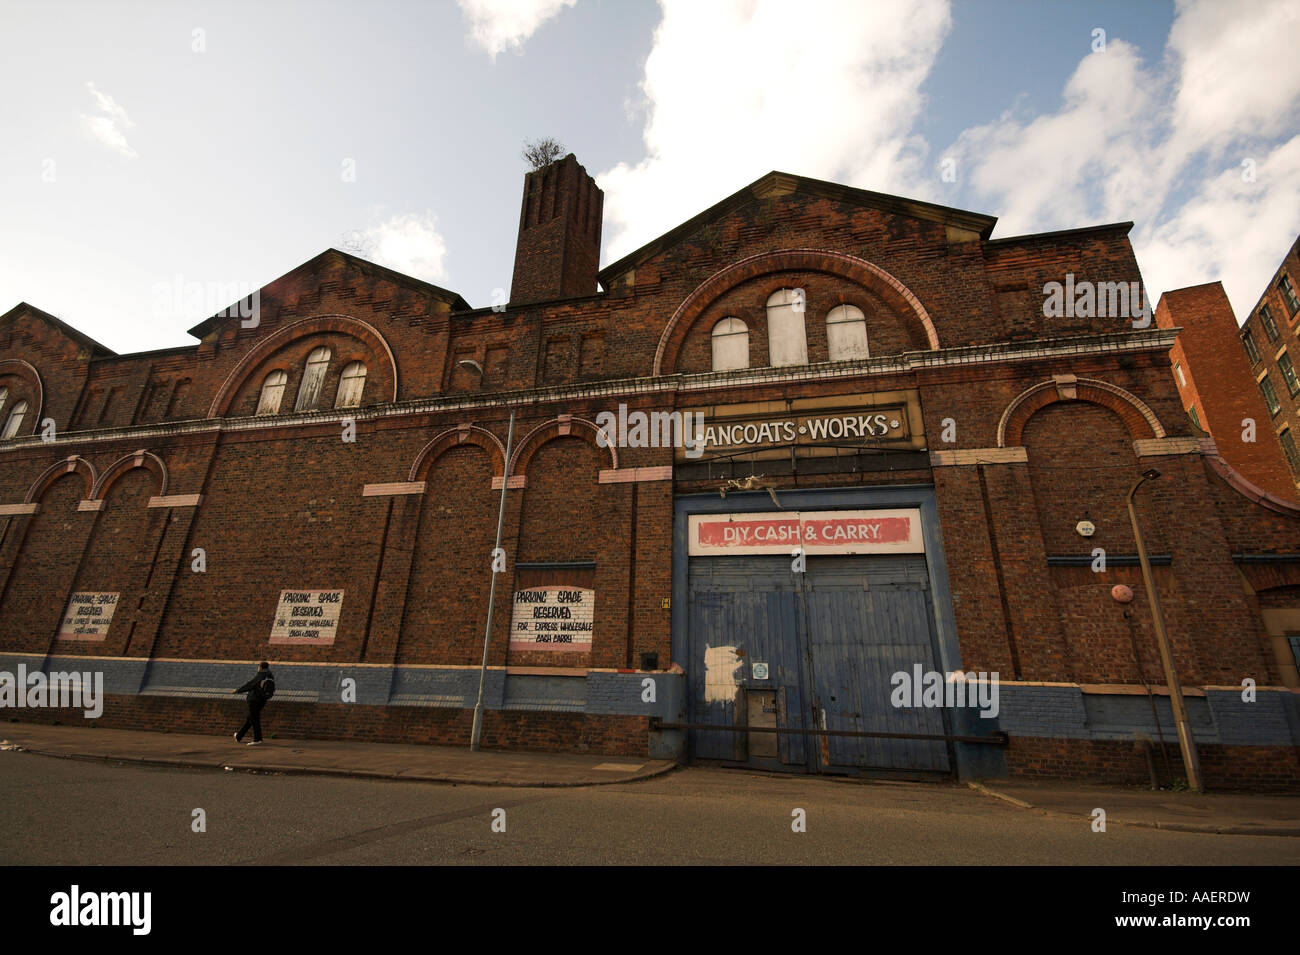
<point x="1186" y="742"/>
<point x="477" y="731"/>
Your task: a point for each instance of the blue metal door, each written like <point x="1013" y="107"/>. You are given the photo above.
<point x="867" y="619"/>
<point x="744" y="611"/>
<point x="827" y="642"/>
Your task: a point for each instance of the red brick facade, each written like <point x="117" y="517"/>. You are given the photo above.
<point x="1032" y="424"/>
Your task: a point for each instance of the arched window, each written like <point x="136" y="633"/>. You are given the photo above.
<point x="4" y="396"/>
<point x="786" y="342"/>
<point x="313" y="377"/>
<point x="272" y="392"/>
<point x="350" y="385"/>
<point x="730" y="345"/>
<point x="15" y="421"/>
<point x="846" y="333"/>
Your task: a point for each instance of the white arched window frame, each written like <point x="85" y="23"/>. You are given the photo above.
<point x="846" y="333"/>
<point x="272" y="392"/>
<point x="351" y="384"/>
<point x="787" y="342"/>
<point x="14" y="421"/>
<point x="313" y="377"/>
<point x="730" y="345"/>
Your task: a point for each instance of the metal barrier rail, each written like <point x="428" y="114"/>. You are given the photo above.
<point x="996" y="738"/>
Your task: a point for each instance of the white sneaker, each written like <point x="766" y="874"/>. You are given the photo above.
<point x="256" y="742"/>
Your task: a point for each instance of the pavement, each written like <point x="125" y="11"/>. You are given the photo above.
<point x="1237" y="814"/>
<point x="444" y="764"/>
<point x="1225" y="813"/>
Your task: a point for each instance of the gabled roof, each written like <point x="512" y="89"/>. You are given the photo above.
<point x="365" y="267"/>
<point x="96" y="349"/>
<point x="781" y="183"/>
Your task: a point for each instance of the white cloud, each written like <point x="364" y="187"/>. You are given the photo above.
<point x="1163" y="146"/>
<point x="1230" y="230"/>
<point x="410" y="244"/>
<point x="108" y="129"/>
<point x="823" y="88"/>
<point x="499" y="25"/>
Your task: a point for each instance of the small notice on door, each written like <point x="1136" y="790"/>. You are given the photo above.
<point x="553" y="617"/>
<point x="307" y="616"/>
<point x="88" y="616"/>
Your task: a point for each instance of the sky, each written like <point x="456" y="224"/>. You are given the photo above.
<point x="156" y="157"/>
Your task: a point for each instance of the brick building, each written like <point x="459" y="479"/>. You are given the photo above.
<point x="890" y="461"/>
<point x="1217" y="384"/>
<point x="1270" y="341"/>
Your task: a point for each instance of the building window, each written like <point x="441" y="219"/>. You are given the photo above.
<point x="846" y="333"/>
<point x="272" y="393"/>
<point x="1182" y="379"/>
<point x="1288" y="295"/>
<point x="730" y="345"/>
<point x="14" y="421"/>
<point x="1270" y="396"/>
<point x="351" y="384"/>
<point x="787" y="343"/>
<point x="1289" y="448"/>
<point x="1196" y="419"/>
<point x="4" y="396"/>
<point x="1266" y="319"/>
<point x="1248" y="342"/>
<point x="1288" y="374"/>
<point x="312" y="379"/>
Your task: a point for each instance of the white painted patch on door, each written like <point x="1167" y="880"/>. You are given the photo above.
<point x="720" y="666"/>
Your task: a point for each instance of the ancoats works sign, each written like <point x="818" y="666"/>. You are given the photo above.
<point x="837" y="424"/>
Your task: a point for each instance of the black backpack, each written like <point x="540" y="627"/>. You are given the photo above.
<point x="266" y="688"/>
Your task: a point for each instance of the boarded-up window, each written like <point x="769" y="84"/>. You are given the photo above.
<point x="351" y="384"/>
<point x="730" y="345"/>
<point x="787" y="343"/>
<point x="497" y="360"/>
<point x="108" y="404"/>
<point x="313" y="377"/>
<point x="846" y="333"/>
<point x="15" y="421"/>
<point x="272" y="393"/>
<point x="174" y="403"/>
<point x="592" y="358"/>
<point x="557" y="359"/>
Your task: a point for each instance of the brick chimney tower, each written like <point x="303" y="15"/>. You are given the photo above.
<point x="558" y="251"/>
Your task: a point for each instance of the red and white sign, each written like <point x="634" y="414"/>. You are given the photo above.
<point x="895" y="531"/>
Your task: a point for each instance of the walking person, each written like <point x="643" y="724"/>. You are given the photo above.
<point x="259" y="689"/>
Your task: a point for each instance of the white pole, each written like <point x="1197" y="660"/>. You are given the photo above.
<point x="477" y="732"/>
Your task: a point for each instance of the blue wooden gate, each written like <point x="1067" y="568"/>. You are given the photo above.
<point x="830" y="639"/>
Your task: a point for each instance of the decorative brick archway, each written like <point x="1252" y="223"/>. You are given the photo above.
<point x="16" y="366"/>
<point x="839" y="264"/>
<point x="562" y="426"/>
<point x="1140" y="419"/>
<point x="55" y="471"/>
<point x="308" y="326"/>
<point x="140" y="459"/>
<point x="455" y="437"/>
